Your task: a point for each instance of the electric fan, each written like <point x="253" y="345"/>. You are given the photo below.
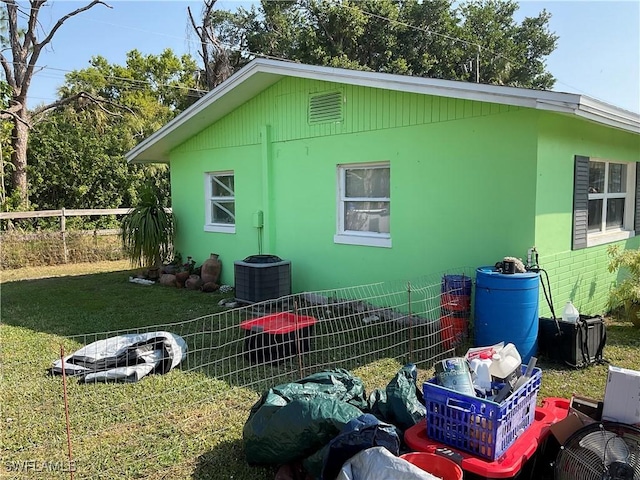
<point x="600" y="451"/>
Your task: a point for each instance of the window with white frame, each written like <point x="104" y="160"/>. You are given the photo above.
<point x="604" y="201"/>
<point x="364" y="204"/>
<point x="220" y="202"/>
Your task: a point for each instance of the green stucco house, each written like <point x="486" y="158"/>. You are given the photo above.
<point x="359" y="177"/>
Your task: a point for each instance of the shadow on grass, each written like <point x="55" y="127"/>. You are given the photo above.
<point x="623" y="334"/>
<point x="229" y="457"/>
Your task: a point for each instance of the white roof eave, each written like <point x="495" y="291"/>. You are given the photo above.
<point x="262" y="73"/>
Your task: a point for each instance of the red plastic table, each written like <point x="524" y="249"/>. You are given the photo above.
<point x="511" y="462"/>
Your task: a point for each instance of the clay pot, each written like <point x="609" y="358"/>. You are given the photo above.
<point x="210" y="271"/>
<point x="181" y="278"/>
<point x="168" y="280"/>
<point x="209" y="287"/>
<point x="194" y="282"/>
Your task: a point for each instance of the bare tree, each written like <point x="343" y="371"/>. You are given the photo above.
<point x="213" y="53"/>
<point x="25" y="50"/>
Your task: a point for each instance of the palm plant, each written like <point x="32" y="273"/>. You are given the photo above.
<point x="147" y="231"/>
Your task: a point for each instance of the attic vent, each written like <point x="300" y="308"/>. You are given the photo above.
<point x="325" y="107"/>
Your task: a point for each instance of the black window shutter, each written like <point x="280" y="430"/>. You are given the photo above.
<point x="636" y="221"/>
<point x="580" y="202"/>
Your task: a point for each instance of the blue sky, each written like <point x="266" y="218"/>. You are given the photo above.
<point x="598" y="52"/>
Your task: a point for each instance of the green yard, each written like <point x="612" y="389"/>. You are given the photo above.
<point x="180" y="425"/>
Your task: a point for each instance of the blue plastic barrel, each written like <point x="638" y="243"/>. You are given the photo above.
<point x="506" y="310"/>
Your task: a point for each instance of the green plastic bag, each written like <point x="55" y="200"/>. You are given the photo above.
<point x="294" y="420"/>
<point x="401" y="403"/>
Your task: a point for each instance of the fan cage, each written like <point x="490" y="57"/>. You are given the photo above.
<point x="600" y="451"/>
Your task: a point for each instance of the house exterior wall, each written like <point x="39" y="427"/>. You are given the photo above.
<point x="187" y="195"/>
<point x="460" y="189"/>
<point x="581" y="275"/>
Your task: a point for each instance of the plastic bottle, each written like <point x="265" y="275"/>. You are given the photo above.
<point x="570" y="313"/>
<point x="505" y="362"/>
<point x="481" y="367"/>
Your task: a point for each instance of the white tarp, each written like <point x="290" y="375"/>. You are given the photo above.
<point x="125" y="357"/>
<point x="378" y="463"/>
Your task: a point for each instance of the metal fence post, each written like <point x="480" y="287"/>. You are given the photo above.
<point x="410" y="322"/>
<point x="297" y="336"/>
<point x="66" y="412"/>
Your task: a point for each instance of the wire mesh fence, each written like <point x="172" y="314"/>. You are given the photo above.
<point x="279" y="340"/>
<point x="231" y="357"/>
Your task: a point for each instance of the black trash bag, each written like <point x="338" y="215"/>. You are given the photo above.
<point x="401" y="403"/>
<point x="361" y="433"/>
<point x="294" y="420"/>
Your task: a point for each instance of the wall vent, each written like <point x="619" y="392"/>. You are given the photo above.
<point x="325" y="107"/>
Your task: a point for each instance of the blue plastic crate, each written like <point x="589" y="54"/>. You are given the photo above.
<point x="478" y="426"/>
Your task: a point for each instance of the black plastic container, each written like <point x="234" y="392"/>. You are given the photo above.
<point x="276" y="337"/>
<point x="577" y="344"/>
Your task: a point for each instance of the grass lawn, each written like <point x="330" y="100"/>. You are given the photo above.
<point x="179" y="425"/>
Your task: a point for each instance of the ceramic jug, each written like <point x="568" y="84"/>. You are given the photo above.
<point x="210" y="271"/>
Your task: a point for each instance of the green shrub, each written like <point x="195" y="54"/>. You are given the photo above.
<point x="625" y="295"/>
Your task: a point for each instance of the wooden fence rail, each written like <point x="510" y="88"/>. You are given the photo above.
<point x="64" y="213"/>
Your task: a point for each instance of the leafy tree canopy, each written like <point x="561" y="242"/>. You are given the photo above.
<point x="76" y="154"/>
<point x="76" y="151"/>
<point x="478" y="40"/>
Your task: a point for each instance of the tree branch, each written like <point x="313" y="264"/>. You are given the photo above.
<point x="193" y="22"/>
<point x="37" y="47"/>
<point x="99" y="102"/>
<point x="198" y="31"/>
<point x="30" y="39"/>
<point x="7" y="71"/>
<point x="216" y="60"/>
<point x="16" y="51"/>
<point x="6" y="114"/>
<point x="59" y="23"/>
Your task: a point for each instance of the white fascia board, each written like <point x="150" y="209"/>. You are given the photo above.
<point x="421" y="85"/>
<point x="608" y="114"/>
<point x="596" y="111"/>
<point x="560" y="102"/>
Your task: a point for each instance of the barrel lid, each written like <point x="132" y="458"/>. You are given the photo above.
<point x="491" y="271"/>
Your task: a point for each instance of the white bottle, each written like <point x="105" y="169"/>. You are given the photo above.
<point x="570" y="313"/>
<point x="505" y="362"/>
<point x="481" y="367"/>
